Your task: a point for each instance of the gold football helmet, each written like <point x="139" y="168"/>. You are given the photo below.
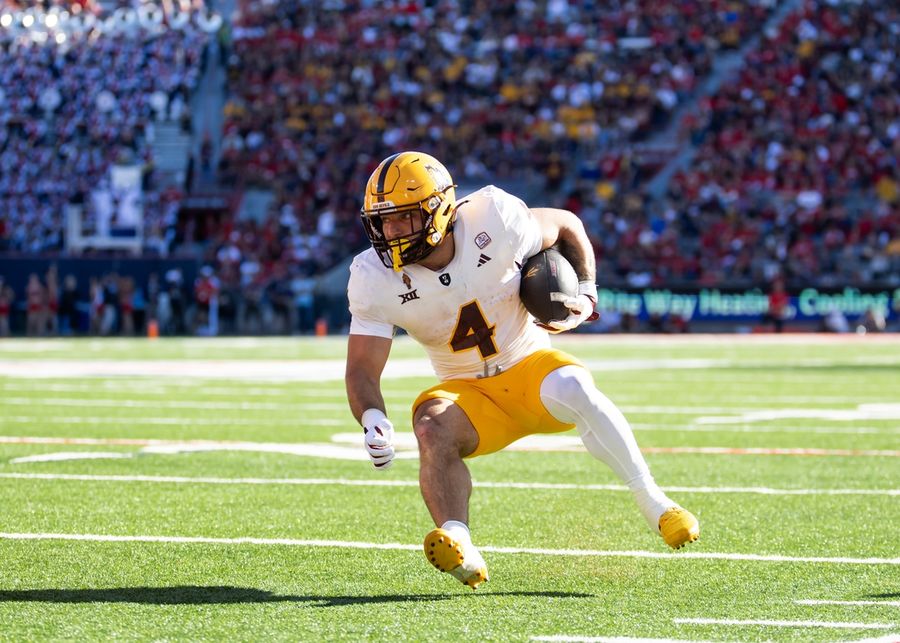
<point x="417" y="185"/>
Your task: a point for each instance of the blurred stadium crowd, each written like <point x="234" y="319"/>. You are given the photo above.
<point x="787" y="173"/>
<point x="73" y="106"/>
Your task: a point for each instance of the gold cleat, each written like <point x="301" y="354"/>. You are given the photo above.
<point x="678" y="527"/>
<point x="449" y="555"/>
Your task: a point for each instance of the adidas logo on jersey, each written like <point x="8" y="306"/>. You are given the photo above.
<point x="483" y="259"/>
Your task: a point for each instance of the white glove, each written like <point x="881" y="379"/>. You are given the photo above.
<point x="581" y="308"/>
<point x="379" y="438"/>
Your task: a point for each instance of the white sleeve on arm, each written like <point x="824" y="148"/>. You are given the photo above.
<point x="526" y="235"/>
<point x="365" y="317"/>
<point x="362" y="326"/>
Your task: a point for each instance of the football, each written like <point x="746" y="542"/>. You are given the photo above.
<point x="547" y="280"/>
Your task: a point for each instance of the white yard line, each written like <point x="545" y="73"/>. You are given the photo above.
<point x="737" y="415"/>
<point x="289" y="406"/>
<point x="853" y="603"/>
<point x="319" y="370"/>
<point x="405" y="444"/>
<point x="210" y="480"/>
<point x="414" y="483"/>
<point x="174" y="404"/>
<point x="299" y="370"/>
<point x="878" y="453"/>
<point x="156" y="387"/>
<point x="766" y="428"/>
<point x="43" y="420"/>
<point x="718" y="340"/>
<point x="705" y="415"/>
<point x="336" y="391"/>
<point x="863" y="412"/>
<point x="175" y="421"/>
<point x="565" y="638"/>
<point x="775" y="623"/>
<point x="66" y="456"/>
<point x="293" y="542"/>
<point x="562" y="638"/>
<point x="171" y="421"/>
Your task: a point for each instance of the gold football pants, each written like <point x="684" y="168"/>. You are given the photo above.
<point x="507" y="406"/>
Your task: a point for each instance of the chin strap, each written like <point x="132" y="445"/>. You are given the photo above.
<point x="396" y="261"/>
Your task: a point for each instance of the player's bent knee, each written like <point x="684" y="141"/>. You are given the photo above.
<point x="567" y="392"/>
<point x="441" y="427"/>
<point x="429" y="434"/>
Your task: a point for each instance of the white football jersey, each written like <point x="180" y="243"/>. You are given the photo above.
<point x="468" y="315"/>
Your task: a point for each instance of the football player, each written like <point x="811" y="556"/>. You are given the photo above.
<point x="447" y="272"/>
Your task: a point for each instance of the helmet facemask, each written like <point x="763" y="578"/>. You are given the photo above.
<point x="429" y="217"/>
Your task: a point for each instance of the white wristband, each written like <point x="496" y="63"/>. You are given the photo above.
<point x="371" y="417"/>
<point x="588" y="288"/>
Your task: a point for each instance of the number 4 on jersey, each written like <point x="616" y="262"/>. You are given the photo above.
<point x="472" y="331"/>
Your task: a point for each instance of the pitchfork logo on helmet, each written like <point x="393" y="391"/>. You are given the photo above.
<point x="413" y="184"/>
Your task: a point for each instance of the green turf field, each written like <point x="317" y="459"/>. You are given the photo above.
<point x="218" y="490"/>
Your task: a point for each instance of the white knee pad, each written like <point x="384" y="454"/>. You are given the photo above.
<point x="570" y="396"/>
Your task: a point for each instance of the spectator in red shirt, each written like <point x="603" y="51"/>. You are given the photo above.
<point x="206" y="294"/>
<point x="779" y="301"/>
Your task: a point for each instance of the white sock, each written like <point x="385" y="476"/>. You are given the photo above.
<point x="457" y="530"/>
<point x="650" y="499"/>
<point x="473" y="562"/>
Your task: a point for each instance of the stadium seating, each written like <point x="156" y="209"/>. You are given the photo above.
<point x="796" y="175"/>
<point x="320" y="92"/>
<point x="789" y="170"/>
<point x="72" y="107"/>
